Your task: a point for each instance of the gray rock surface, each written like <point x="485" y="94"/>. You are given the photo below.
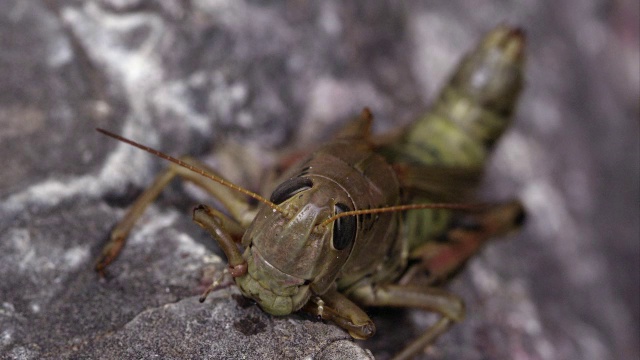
<point x="196" y="77"/>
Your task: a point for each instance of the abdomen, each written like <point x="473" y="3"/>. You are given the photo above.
<point x="469" y="116"/>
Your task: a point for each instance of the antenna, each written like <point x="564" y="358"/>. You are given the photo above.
<point x="195" y="169"/>
<point x="449" y="206"/>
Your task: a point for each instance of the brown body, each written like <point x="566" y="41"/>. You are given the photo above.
<point x="334" y="235"/>
<point x="293" y="243"/>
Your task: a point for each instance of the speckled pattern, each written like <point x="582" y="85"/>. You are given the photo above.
<point x="200" y="77"/>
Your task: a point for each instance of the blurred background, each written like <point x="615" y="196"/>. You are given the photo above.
<point x="224" y="79"/>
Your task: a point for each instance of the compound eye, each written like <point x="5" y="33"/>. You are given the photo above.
<point x="344" y="228"/>
<point x="289" y="188"/>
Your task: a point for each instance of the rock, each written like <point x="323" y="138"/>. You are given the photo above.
<point x="202" y="77"/>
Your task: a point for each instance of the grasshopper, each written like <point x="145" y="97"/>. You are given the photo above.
<point x="365" y="220"/>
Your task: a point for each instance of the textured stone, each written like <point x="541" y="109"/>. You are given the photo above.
<point x="201" y="77"/>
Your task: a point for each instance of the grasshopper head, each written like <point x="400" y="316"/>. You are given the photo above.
<point x="290" y="256"/>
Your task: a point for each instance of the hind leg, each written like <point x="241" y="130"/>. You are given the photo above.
<point x="468" y="233"/>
